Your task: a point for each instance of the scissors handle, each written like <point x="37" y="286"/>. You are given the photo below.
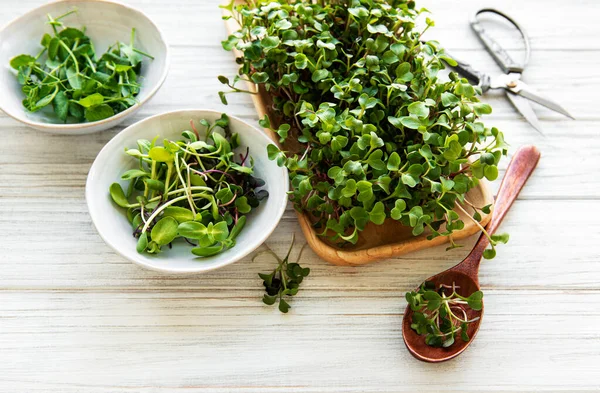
<point x="473" y="76"/>
<point x="501" y="57"/>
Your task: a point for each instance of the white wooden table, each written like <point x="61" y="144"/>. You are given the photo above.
<point x="75" y="317"/>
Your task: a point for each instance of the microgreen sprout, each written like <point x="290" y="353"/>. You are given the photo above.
<point x="370" y="129"/>
<point x="67" y="75"/>
<point x="441" y="317"/>
<point x="284" y="280"/>
<point x="197" y="189"/>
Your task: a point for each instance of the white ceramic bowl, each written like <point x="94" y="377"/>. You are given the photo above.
<point x="106" y="22"/>
<point x="112" y="224"/>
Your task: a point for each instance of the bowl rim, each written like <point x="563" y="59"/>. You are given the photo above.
<point x="119" y="139"/>
<point x="115" y="118"/>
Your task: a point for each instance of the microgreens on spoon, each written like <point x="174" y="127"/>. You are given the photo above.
<point x="440" y="314"/>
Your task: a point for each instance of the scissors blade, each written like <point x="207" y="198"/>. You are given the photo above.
<point x="525" y="109"/>
<point x="525" y="91"/>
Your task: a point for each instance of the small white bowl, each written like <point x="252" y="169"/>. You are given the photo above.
<point x="106" y="22"/>
<point x="115" y="229"/>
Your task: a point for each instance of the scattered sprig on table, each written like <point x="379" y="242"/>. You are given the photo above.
<point x="381" y="136"/>
<point x="441" y="317"/>
<point x="285" y="279"/>
<point x="196" y="189"/>
<point x="67" y="75"/>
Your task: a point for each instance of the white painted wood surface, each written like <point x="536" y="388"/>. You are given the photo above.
<point x="75" y="317"/>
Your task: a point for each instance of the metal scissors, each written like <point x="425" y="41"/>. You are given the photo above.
<point x="517" y="91"/>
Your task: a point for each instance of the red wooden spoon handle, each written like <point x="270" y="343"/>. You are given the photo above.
<point x="520" y="168"/>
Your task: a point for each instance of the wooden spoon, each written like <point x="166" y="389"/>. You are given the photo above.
<point x="466" y="274"/>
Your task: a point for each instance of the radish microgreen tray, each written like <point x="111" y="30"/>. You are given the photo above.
<point x="383" y="134"/>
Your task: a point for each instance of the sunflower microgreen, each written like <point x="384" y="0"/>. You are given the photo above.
<point x="196" y="190"/>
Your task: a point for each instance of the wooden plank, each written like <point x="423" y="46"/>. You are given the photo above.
<point x="192" y="82"/>
<point x="35" y="165"/>
<point x="551" y="24"/>
<point x="75" y="317"/>
<point x="52" y="244"/>
<point x="206" y="341"/>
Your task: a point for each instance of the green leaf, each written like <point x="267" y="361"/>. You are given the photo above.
<point x="223" y="98"/>
<point x="221" y="142"/>
<point x="482" y="109"/>
<point x="142" y="243"/>
<point x="377" y="214"/>
<point x="122" y="68"/>
<point x="409" y="180"/>
<point x="274" y="153"/>
<point x="224" y="195"/>
<point x="71" y="33"/>
<point x="463" y="333"/>
<point x="237" y="228"/>
<point x="418" y="109"/>
<point x="360" y="216"/>
<point x="46" y="38"/>
<point x="434" y="300"/>
<point x="403" y="73"/>
<point x="91" y="100"/>
<point x="155" y="185"/>
<point x="207" y="251"/>
<point x="326" y="45"/>
<point x="377" y="29"/>
<point x="260" y="77"/>
<point x="160" y="154"/>
<point x="269" y="300"/>
<point x="410" y="122"/>
<point x="165" y="231"/>
<point x="491" y="172"/>
<point x="350" y="189"/>
<point x="367" y="102"/>
<point x="284" y="307"/>
<point x="393" y="163"/>
<point x="134" y="173"/>
<point x="319" y="75"/>
<point x="46" y="100"/>
<point x="74" y="78"/>
<point x="99" y="112"/>
<point x="301" y="61"/>
<point x="218" y="231"/>
<point x="399" y="207"/>
<point x="501" y="238"/>
<point x="449" y="99"/>
<point x="375" y="160"/>
<point x="270" y="42"/>
<point x="282" y="131"/>
<point x="53" y="48"/>
<point x="490" y="253"/>
<point x="21" y="60"/>
<point x="242" y="205"/>
<point x="338" y="142"/>
<point x="475" y="301"/>
<point x="181" y="214"/>
<point x="192" y="230"/>
<point x="117" y="195"/>
<point x="61" y="105"/>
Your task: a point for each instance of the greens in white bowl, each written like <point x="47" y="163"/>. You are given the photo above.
<point x="174" y="240"/>
<point x="80" y="66"/>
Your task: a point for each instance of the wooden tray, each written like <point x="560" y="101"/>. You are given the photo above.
<point x="376" y="242"/>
